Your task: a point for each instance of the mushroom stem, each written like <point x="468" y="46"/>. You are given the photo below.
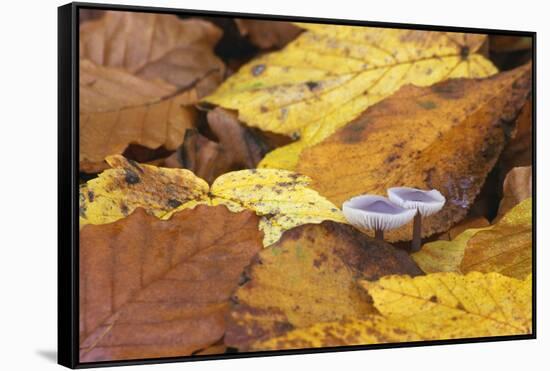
<point x="417" y="230"/>
<point x="379" y="234"/>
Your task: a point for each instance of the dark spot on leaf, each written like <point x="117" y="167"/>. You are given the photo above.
<point x="320" y="260"/>
<point x="433" y="299"/>
<point x="131" y="177"/>
<point x="312" y="85"/>
<point x="464" y="52"/>
<point x="284" y="184"/>
<point x="91" y="196"/>
<point x="263" y="109"/>
<point x="428" y="104"/>
<point x="459" y="306"/>
<point x="450" y="89"/>
<point x="391" y="158"/>
<point x="173" y="203"/>
<point x="258" y="69"/>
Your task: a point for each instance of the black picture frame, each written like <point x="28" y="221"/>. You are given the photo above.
<point x="68" y="175"/>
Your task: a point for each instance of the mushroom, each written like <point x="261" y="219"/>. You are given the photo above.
<point x="376" y="212"/>
<point x="425" y="203"/>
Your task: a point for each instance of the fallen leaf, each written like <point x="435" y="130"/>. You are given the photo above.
<point x="434" y="307"/>
<point x="505" y="247"/>
<point x="237" y="147"/>
<point x="155" y="46"/>
<point x="330" y="74"/>
<point x="309" y="276"/>
<point x="517" y="187"/>
<point x="282" y="198"/>
<point x="268" y="34"/>
<point x="501" y="43"/>
<point x="140" y="299"/>
<point x="447" y="137"/>
<point x="345" y="332"/>
<point x="117" y="109"/>
<point x="518" y="152"/>
<point x="453" y="306"/>
<point x="468" y="223"/>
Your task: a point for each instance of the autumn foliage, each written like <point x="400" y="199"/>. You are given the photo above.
<point x="216" y="154"/>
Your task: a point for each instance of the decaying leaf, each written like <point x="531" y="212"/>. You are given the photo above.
<point x="468" y="223"/>
<point x="237" y="147"/>
<point x="330" y="74"/>
<point x="117" y="109"/>
<point x="447" y="137"/>
<point x="309" y="277"/>
<point x="451" y="306"/>
<point x="268" y="34"/>
<point x="282" y="198"/>
<point x="505" y="247"/>
<point x="155" y="46"/>
<point x="433" y="307"/>
<point x="140" y="299"/>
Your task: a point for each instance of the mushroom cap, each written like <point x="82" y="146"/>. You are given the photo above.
<point x="376" y="212"/>
<point x="426" y="202"/>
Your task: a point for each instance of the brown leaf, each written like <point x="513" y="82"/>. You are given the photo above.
<point x="309" y="276"/>
<point x="238" y="147"/>
<point x="517" y="187"/>
<point x="117" y="109"/>
<point x="518" y="151"/>
<point x="268" y="34"/>
<point x="155" y="46"/>
<point x="468" y="223"/>
<point x="154" y="288"/>
<point x="447" y="137"/>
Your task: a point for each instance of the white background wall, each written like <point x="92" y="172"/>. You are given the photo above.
<point x="28" y="155"/>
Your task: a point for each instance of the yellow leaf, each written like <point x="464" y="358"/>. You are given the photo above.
<point x="348" y="331"/>
<point x="310" y="276"/>
<point x="330" y="74"/>
<point x="441" y="137"/>
<point x="505" y="247"/>
<point x="280" y="197"/>
<point x="451" y="306"/>
<point x="434" y="307"/>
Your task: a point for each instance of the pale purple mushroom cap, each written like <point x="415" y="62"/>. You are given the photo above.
<point x="426" y="202"/>
<point x="376" y="212"/>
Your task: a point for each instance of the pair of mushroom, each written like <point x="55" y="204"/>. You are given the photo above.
<point x="403" y="204"/>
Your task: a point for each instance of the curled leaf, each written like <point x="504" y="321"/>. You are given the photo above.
<point x="518" y="186"/>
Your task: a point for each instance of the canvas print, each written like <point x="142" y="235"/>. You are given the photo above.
<point x="254" y="185"/>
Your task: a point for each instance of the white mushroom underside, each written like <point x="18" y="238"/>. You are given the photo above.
<point x="376" y="212"/>
<point x="426" y="202"/>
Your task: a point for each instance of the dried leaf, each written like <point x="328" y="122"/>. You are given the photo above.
<point x="282" y="198"/>
<point x="268" y="34"/>
<point x="518" y="152"/>
<point x="505" y="247"/>
<point x="453" y="306"/>
<point x="468" y="223"/>
<point x="168" y="298"/>
<point x="238" y="147"/>
<point x="330" y="74"/>
<point x="447" y="137"/>
<point x="155" y="46"/>
<point x="434" y="307"/>
<point x="517" y="187"/>
<point x="309" y="277"/>
<point x="117" y="108"/>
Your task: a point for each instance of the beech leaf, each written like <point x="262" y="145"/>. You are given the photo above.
<point x="140" y="299"/>
<point x="282" y="198"/>
<point x="330" y="74"/>
<point x="505" y="247"/>
<point x="445" y="137"/>
<point x="310" y="276"/>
